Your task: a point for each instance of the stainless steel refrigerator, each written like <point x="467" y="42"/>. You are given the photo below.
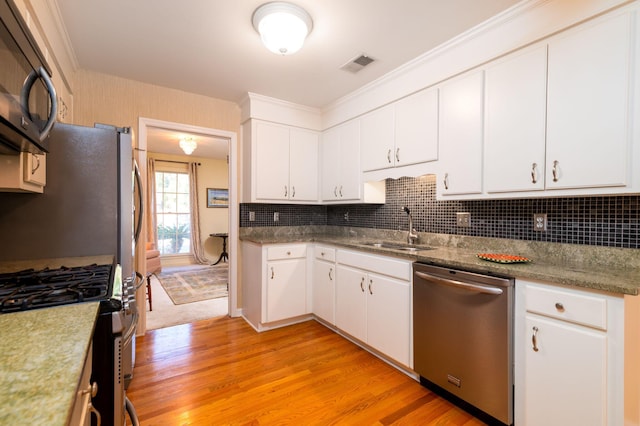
<point x="87" y="205"/>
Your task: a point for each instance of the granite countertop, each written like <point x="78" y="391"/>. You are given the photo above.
<point x="41" y="362"/>
<point x="607" y="269"/>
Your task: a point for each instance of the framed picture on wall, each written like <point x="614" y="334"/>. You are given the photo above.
<point x="217" y="197"/>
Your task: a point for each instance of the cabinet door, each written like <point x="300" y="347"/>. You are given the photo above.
<point x="286" y="289"/>
<point x="461" y="120"/>
<point x="272" y="161"/>
<point x="588" y="119"/>
<point x="514" y="146"/>
<point x="377" y="143"/>
<point x="330" y="158"/>
<point x="351" y="301"/>
<point x="566" y="378"/>
<point x="416" y="128"/>
<point x="389" y="316"/>
<point x="303" y="165"/>
<point x="324" y="275"/>
<point x="350" y="172"/>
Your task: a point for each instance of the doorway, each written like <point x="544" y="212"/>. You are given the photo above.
<point x="213" y="143"/>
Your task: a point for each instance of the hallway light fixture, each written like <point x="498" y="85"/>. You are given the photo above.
<point x="282" y="26"/>
<point x="188" y="145"/>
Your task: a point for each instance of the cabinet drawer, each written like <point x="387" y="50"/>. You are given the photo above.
<point x="286" y="252"/>
<point x="325" y="253"/>
<point x="574" y="306"/>
<point x="383" y="265"/>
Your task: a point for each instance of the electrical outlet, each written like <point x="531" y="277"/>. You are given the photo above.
<point x="252" y="216"/>
<point x="539" y="222"/>
<point x="463" y="219"/>
<point x="276" y="216"/>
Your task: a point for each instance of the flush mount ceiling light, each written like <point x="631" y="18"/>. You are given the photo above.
<point x="188" y="145"/>
<point x="282" y="26"/>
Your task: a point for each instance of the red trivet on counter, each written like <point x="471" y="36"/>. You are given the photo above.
<point x="502" y="258"/>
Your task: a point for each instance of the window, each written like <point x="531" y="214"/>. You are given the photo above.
<point x="173" y="213"/>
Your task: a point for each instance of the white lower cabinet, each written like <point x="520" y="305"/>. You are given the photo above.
<point x="83" y="411"/>
<point x="569" y="357"/>
<point x="274" y="283"/>
<point x="324" y="284"/>
<point x="373" y="302"/>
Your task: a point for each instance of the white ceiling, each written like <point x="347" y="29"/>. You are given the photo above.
<point x="209" y="47"/>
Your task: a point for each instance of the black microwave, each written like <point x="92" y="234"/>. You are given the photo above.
<point x="28" y="103"/>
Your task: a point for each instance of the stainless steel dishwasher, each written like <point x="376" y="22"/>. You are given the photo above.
<point x="463" y="339"/>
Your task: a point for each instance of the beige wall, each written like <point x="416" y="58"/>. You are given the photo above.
<point x="113" y="100"/>
<point x="212" y="173"/>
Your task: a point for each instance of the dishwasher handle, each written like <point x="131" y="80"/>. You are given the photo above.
<point x="478" y="288"/>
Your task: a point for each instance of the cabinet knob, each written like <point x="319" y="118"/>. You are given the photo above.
<point x="559" y="307"/>
<point x="288" y="253"/>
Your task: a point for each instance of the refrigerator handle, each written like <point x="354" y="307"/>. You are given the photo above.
<point x="138" y="180"/>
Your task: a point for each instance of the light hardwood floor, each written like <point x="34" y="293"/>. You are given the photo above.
<point x="221" y="372"/>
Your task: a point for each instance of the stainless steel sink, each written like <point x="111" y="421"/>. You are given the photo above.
<point x="395" y="246"/>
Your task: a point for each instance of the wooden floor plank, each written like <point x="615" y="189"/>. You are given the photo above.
<point x="222" y="372"/>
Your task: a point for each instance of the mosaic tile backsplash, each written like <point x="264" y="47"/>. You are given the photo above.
<point x="601" y="221"/>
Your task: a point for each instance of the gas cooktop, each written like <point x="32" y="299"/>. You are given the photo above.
<point x="33" y="289"/>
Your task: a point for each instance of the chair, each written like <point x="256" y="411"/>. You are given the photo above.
<point x="153" y="267"/>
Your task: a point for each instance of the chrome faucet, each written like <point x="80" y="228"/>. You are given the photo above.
<point x="412" y="234"/>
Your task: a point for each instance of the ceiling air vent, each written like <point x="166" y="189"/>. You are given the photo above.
<point x="357" y="63"/>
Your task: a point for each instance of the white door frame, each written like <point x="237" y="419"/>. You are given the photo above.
<point x="144" y="124"/>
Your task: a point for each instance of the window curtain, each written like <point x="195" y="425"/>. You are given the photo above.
<point x="152" y="235"/>
<point x="196" y="243"/>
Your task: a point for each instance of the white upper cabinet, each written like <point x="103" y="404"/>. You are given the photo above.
<point x="378" y="145"/>
<point x="401" y="134"/>
<point x="515" y="100"/>
<point x="588" y="129"/>
<point x="284" y="163"/>
<point x="461" y="121"/>
<point x="341" y="175"/>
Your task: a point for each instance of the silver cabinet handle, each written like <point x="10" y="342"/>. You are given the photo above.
<point x="446" y="181"/>
<point x="397" y="155"/>
<point x="286" y="191"/>
<point x="555" y="171"/>
<point x="362" y="284"/>
<point x="389" y="156"/>
<point x="272" y="273"/>
<point x="534" y="173"/>
<point x="330" y="272"/>
<point x="335" y="191"/>
<point x="37" y="166"/>
<point x="534" y="340"/>
<point x="293" y="192"/>
<point x="340" y="191"/>
<point x="370" y="284"/>
<point x="92" y="390"/>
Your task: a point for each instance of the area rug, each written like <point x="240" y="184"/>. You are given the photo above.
<point x="195" y="286"/>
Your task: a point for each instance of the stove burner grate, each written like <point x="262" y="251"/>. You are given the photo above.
<point x="31" y="289"/>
